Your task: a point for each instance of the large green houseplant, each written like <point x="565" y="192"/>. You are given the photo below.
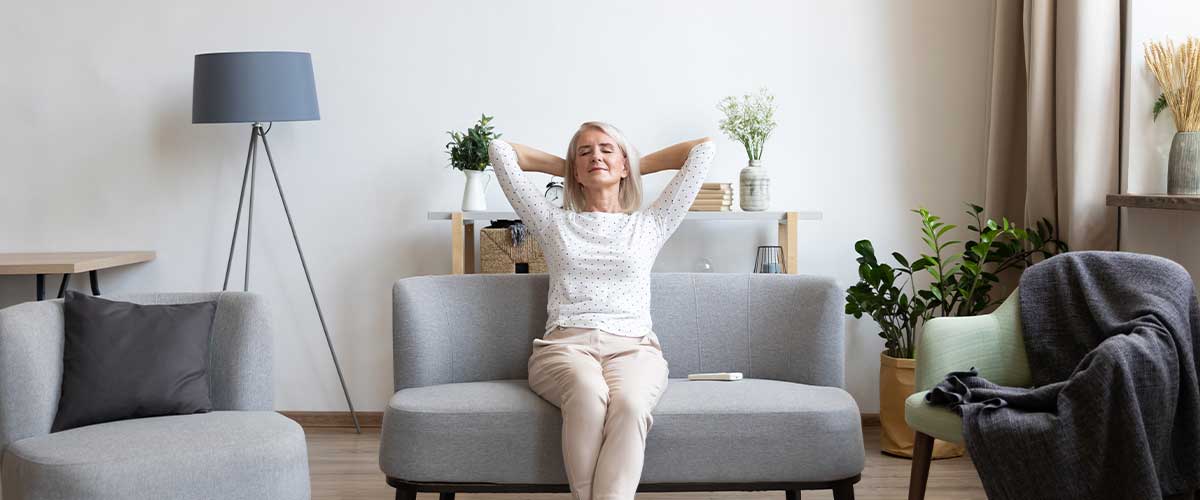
<point x="955" y="278"/>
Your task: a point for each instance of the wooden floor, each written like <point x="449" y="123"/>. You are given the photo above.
<point x="346" y="465"/>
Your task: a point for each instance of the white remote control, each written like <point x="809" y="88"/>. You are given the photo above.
<point x="716" y="376"/>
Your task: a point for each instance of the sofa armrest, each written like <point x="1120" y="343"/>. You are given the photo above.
<point x="991" y="343"/>
<point x="31" y="354"/>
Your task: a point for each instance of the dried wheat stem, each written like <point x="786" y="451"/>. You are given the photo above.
<point x="1177" y="69"/>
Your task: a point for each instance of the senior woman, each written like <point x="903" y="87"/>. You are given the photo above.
<point x="599" y="360"/>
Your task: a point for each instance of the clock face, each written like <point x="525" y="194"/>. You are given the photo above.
<point x="554" y="193"/>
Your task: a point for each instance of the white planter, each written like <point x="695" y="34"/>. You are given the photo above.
<point x="475" y="192"/>
<point x="754" y="187"/>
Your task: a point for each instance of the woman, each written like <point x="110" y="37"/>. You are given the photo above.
<point x="599" y="360"/>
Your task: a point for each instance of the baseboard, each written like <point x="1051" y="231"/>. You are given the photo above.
<point x="315" y="419"/>
<point x="870" y="420"/>
<point x="374" y="419"/>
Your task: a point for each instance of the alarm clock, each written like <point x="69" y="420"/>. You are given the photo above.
<point x="554" y="193"/>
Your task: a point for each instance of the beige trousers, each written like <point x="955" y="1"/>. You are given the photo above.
<point x="605" y="385"/>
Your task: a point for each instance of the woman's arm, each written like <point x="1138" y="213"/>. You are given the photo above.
<point x="670" y="157"/>
<point x="534" y="160"/>
<point x="526" y="199"/>
<point x="669" y="209"/>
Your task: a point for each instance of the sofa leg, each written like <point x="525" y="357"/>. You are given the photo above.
<point x="406" y="493"/>
<point x="922" y="455"/>
<point x="791" y="494"/>
<point x="446" y="495"/>
<point x="843" y="491"/>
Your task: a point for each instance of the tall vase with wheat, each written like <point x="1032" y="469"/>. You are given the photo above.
<point x="1177" y="69"/>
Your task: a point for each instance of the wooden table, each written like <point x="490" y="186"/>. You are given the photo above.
<point x="462" y="231"/>
<point x="67" y="263"/>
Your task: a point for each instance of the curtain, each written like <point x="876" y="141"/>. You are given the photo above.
<point x="1054" y="117"/>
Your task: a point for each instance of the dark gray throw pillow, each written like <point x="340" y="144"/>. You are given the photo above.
<point x="123" y="360"/>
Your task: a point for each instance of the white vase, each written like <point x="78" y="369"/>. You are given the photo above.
<point x="754" y="187"/>
<point x="475" y="192"/>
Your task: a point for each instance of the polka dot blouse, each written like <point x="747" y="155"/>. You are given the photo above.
<point x="599" y="262"/>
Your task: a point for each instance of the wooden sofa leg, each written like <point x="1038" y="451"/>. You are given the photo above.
<point x="791" y="494"/>
<point x="922" y="455"/>
<point x="446" y="495"/>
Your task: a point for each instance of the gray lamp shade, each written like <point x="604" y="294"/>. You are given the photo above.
<point x="241" y="87"/>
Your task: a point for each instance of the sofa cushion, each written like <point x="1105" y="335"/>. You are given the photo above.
<point x="751" y="430"/>
<point x="238" y="454"/>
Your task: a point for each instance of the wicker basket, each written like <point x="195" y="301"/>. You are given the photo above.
<point x="498" y="255"/>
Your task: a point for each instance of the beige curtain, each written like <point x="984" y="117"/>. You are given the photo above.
<point x="1054" y="117"/>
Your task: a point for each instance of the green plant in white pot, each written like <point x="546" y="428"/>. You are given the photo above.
<point x="750" y="121"/>
<point x="469" y="153"/>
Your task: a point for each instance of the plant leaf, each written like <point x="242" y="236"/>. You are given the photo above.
<point x="1159" y="105"/>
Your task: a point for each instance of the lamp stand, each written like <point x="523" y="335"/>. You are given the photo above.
<point x="258" y="134"/>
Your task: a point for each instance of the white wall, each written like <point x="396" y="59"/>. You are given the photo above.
<point x="1169" y="233"/>
<point x="881" y="110"/>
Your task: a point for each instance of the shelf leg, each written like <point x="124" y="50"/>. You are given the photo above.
<point x="457" y="244"/>
<point x="469" y="247"/>
<point x="787" y="240"/>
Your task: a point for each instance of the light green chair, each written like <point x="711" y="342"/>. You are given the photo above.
<point x="991" y="343"/>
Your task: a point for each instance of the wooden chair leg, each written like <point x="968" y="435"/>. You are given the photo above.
<point x="791" y="494"/>
<point x="446" y="495"/>
<point x="406" y="494"/>
<point x="922" y="456"/>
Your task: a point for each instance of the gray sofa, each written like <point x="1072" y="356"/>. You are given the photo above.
<point x="243" y="450"/>
<point x="463" y="418"/>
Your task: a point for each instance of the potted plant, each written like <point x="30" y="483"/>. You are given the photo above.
<point x="750" y="121"/>
<point x="1177" y="69"/>
<point x="469" y="153"/>
<point x="951" y="280"/>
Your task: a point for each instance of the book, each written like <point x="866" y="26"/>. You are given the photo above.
<point x="707" y="185"/>
<point x="710" y="209"/>
<point x="714" y="196"/>
<point x="716" y="201"/>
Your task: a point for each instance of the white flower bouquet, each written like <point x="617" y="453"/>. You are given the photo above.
<point x="749" y="120"/>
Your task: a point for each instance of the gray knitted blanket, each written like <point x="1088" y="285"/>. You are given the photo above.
<point x="1115" y="408"/>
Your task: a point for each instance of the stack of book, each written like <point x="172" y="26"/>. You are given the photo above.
<point x="714" y="197"/>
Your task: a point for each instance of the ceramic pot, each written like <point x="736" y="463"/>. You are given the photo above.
<point x="475" y="192"/>
<point x="754" y="187"/>
<point x="1183" y="166"/>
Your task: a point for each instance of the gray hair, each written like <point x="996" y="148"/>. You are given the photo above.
<point x="630" y="190"/>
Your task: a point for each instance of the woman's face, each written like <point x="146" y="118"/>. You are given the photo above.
<point x="599" y="162"/>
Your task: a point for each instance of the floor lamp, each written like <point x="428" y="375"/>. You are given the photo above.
<point x="257" y="88"/>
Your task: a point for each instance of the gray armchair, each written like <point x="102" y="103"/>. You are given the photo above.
<point x="242" y="449"/>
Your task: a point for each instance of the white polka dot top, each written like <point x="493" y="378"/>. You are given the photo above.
<point x="599" y="262"/>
